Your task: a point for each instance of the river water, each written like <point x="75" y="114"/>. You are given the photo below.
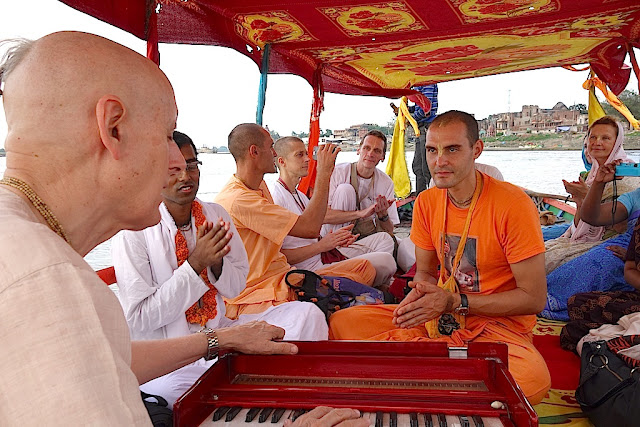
<point x="540" y="171"/>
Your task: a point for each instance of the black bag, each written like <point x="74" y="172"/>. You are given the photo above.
<point x="608" y="392"/>
<point x="160" y="414"/>
<point x="316" y="289"/>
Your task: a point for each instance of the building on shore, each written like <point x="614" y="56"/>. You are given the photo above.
<point x="533" y="119"/>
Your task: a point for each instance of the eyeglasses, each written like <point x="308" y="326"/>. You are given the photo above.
<point x="192" y="166"/>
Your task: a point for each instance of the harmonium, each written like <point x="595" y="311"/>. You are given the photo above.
<point x="409" y="384"/>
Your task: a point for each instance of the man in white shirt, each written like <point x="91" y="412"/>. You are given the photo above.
<point x="374" y="188"/>
<point x="311" y="254"/>
<point x="172" y="277"/>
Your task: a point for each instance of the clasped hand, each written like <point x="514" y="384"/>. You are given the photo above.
<point x="342" y="237"/>
<point x="426" y="301"/>
<point x="382" y="205"/>
<point x="212" y="244"/>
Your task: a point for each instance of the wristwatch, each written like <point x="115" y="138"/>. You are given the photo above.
<point x="463" y="308"/>
<point x="212" y="343"/>
<point x="384" y="218"/>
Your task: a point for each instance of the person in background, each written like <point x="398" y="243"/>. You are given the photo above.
<point x="424" y="119"/>
<point x="604" y="145"/>
<point x="590" y="310"/>
<point x="583" y="262"/>
<point x="335" y="246"/>
<point x="360" y="185"/>
<point x="263" y="225"/>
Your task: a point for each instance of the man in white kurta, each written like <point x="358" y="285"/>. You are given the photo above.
<point x="293" y="164"/>
<point x="155" y="292"/>
<point x="375" y="188"/>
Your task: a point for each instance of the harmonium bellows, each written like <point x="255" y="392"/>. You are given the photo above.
<point x="391" y="383"/>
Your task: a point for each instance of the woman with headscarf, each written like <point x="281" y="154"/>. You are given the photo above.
<point x="604" y="145"/>
<point x="569" y="269"/>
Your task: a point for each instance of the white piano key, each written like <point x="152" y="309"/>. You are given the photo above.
<point x="453" y="421"/>
<point x="492" y="422"/>
<point x="403" y="420"/>
<point x="371" y="416"/>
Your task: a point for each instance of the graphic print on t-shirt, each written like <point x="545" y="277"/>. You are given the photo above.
<point x="467" y="274"/>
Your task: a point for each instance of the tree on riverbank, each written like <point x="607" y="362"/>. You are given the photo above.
<point x="629" y="98"/>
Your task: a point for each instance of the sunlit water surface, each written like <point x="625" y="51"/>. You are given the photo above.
<point x="541" y="171"/>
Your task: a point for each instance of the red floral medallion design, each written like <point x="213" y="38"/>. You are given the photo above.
<point x="270" y="27"/>
<point x="375" y="18"/>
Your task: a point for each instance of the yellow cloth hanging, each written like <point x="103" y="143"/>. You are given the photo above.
<point x="593" y="82"/>
<point x="397" y="164"/>
<point x="595" y="109"/>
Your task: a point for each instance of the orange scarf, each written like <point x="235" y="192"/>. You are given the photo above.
<point x="206" y="307"/>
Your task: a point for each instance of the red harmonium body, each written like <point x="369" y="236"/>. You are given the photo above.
<point x="405" y="379"/>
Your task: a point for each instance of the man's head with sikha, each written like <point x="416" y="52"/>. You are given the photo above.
<point x="88" y="117"/>
<point x="293" y="158"/>
<point x="452" y="145"/>
<point x="251" y="145"/>
<point x="372" y="149"/>
<point x="183" y="185"/>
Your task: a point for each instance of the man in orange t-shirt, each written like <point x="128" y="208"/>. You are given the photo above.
<point x="500" y="274"/>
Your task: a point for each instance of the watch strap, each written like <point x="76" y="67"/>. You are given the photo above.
<point x="213" y="347"/>
<point x="463" y="308"/>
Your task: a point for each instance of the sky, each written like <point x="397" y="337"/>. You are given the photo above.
<point x="217" y="88"/>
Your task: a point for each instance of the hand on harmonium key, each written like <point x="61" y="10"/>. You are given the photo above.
<point x="323" y="416"/>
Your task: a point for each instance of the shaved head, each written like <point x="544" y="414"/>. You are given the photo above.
<point x="243" y="136"/>
<point x="284" y="145"/>
<point x="60" y="78"/>
<point x="87" y="117"/>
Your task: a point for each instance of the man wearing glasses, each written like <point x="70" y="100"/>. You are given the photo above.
<point x="172" y="277"/>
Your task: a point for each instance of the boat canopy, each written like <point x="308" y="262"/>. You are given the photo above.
<point x="385" y="48"/>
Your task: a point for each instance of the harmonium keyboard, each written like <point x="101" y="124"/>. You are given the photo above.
<point x="398" y="384"/>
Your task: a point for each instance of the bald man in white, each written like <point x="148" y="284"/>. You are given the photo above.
<point x="88" y="149"/>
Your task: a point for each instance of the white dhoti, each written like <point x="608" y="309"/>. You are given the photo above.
<point x="406" y="254"/>
<point x="302" y="321"/>
<point x="344" y="199"/>
<point x="377" y="249"/>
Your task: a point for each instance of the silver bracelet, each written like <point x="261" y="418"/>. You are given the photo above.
<point x="212" y="343"/>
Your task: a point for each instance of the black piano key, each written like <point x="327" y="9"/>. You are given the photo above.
<point x="464" y="421"/>
<point x="478" y="421"/>
<point x="442" y="420"/>
<point x="219" y="413"/>
<point x="428" y="421"/>
<point x="393" y="419"/>
<point x="264" y="414"/>
<point x="277" y="414"/>
<point x="251" y="414"/>
<point x="379" y="419"/>
<point x="295" y="414"/>
<point x="413" y="419"/>
<point x="232" y="413"/>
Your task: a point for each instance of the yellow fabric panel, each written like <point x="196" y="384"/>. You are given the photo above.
<point x="397" y="164"/>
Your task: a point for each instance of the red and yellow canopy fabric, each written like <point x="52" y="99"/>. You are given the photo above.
<point x="385" y="48"/>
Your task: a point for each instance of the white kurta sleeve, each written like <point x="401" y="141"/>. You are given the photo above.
<point x="235" y="266"/>
<point x="149" y="305"/>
